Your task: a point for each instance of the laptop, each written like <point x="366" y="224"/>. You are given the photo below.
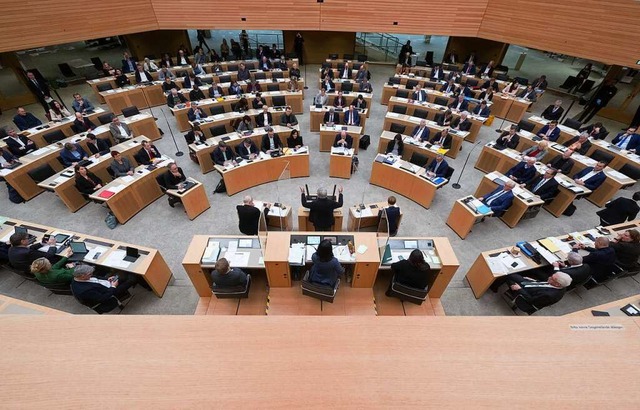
<point x="79" y="250"/>
<point x="13" y="165"/>
<point x="20" y="229"/>
<point x="132" y="254"/>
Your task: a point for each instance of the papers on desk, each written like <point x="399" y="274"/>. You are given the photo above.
<point x="364" y="213"/>
<point x="232" y="247"/>
<point x="218" y="116"/>
<point x="211" y="252"/>
<point x="40" y="151"/>
<point x="615" y="174"/>
<point x="342" y="254"/>
<point x="362" y="249"/>
<point x="300" y="150"/>
<point x="237" y="258"/>
<point x="60" y="179"/>
<point x="342" y="151"/>
<point x="116" y="260"/>
<point x="297" y="253"/>
<point x="264" y="155"/>
<point x="504" y="263"/>
<point x="127" y="179"/>
<point x="245" y="243"/>
<point x="393" y="115"/>
<point x="554" y="245"/>
<point x="399" y="255"/>
<point x="4" y="172"/>
<point x="546" y="255"/>
<point x="277" y="211"/>
<point x="117" y="188"/>
<point x="94" y="251"/>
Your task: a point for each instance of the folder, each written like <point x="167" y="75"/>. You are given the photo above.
<point x="106" y="194"/>
<point x="548" y="243"/>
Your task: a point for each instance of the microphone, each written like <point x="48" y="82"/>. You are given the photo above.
<point x="457" y="185"/>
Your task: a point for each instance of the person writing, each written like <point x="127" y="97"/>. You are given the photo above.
<point x="413" y="272"/>
<point x="321" y="210"/>
<point x="326" y="269"/>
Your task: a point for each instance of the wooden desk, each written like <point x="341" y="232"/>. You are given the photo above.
<point x="413" y="185"/>
<point x="304" y="224"/>
<point x="36" y="134"/>
<point x="150" y="265"/>
<point x="508" y="107"/>
<point x="340" y="163"/>
<point x="410" y="146"/>
<point x="612" y="308"/>
<point x="620" y="158"/>
<point x="337" y="82"/>
<point x="317" y="117"/>
<point x="11" y="306"/>
<point x="480" y="276"/>
<point x="350" y="97"/>
<point x="359" y="219"/>
<point x="462" y="218"/>
<point x="389" y="91"/>
<point x="19" y="178"/>
<point x="410" y="122"/>
<point x="264" y="170"/>
<point x="194" y="200"/>
<point x="520" y="208"/>
<point x="328" y="136"/>
<point x="566" y="133"/>
<point x="280" y="217"/>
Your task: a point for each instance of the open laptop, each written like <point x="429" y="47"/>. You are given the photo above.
<point x="132" y="254"/>
<point x="79" y="250"/>
<point x="21" y="229"/>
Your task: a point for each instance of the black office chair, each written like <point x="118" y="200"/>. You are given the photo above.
<point x="233" y="292"/>
<point x="399" y="109"/>
<point x="111" y="173"/>
<point x="402" y="93"/>
<point x="449" y="173"/>
<point x="41" y="173"/>
<point x="326" y="65"/>
<point x="421" y="63"/>
<point x="277" y="74"/>
<point x="397" y="128"/>
<point x="57" y="288"/>
<point x="225" y="79"/>
<point x="66" y="70"/>
<point x="419" y="159"/>
<point x="61" y="161"/>
<point x="630" y="171"/>
<point x="441" y="101"/>
<point x="54" y="136"/>
<point x="526" y="125"/>
<point x="519" y="302"/>
<point x="273" y="87"/>
<point x="586" y="86"/>
<point x="181" y="74"/>
<point x="105" y="118"/>
<point x="250" y="66"/>
<point x="340" y="67"/>
<point x="362" y="58"/>
<point x="347" y="56"/>
<point x="218" y="130"/>
<point x="333" y="56"/>
<point x="278" y="101"/>
<point x="429" y="58"/>
<point x="160" y="180"/>
<point x="394" y="80"/>
<point x="571" y="123"/>
<point x="421" y="113"/>
<point x="522" y="81"/>
<point x="206" y="80"/>
<point x="438" y="117"/>
<point x="570" y="82"/>
<point x="600" y="155"/>
<point x="356" y="66"/>
<point x="97" y="63"/>
<point x="104" y="87"/>
<point x="232" y="67"/>
<point x="430" y="84"/>
<point x="217" y="109"/>
<point x="502" y="77"/>
<point x="130" y="111"/>
<point x="260" y="75"/>
<point x="106" y="306"/>
<point x="322" y="292"/>
<point x="472" y="82"/>
<point x="347" y="86"/>
<point x="411" y="84"/>
<point x="407" y="293"/>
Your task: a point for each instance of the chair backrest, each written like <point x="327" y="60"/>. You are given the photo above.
<point x="273" y="87"/>
<point x="522" y="80"/>
<point x="206" y="80"/>
<point x="104" y="87"/>
<point x="411" y="84"/>
<point x="419" y="159"/>
<point x="402" y="93"/>
<point x="218" y="130"/>
<point x="438" y="117"/>
<point x="234" y="292"/>
<point x="54" y="136"/>
<point x="630" y="171"/>
<point x="258" y="76"/>
<point x="130" y="111"/>
<point x="66" y="70"/>
<point x="586" y="86"/>
<point x="399" y="109"/>
<point x="225" y="78"/>
<point x="321" y="292"/>
<point x="333" y="56"/>
<point x="347" y="56"/>
<point x="347" y="86"/>
<point x="421" y="63"/>
<point x="600" y="155"/>
<point x="394" y="80"/>
<point x="277" y="74"/>
<point x="41" y="173"/>
<point x="571" y="123"/>
<point x="356" y="66"/>
<point x="471" y="82"/>
<point x="326" y="65"/>
<point x="526" y="125"/>
<point x="429" y="57"/>
<point x="449" y="172"/>
<point x="524" y="305"/>
<point x="279" y="101"/>
<point x="441" y="101"/>
<point x="181" y="73"/>
<point x="217" y="109"/>
<point x="430" y="84"/>
<point x="232" y="67"/>
<point x="362" y="57"/>
<point x="250" y="66"/>
<point x="421" y="113"/>
<point x="111" y="173"/>
<point x="340" y="67"/>
<point x="397" y="128"/>
<point x="160" y="180"/>
<point x="106" y="118"/>
<point x="502" y="77"/>
<point x="569" y="82"/>
<point x="408" y="293"/>
<point x="97" y="63"/>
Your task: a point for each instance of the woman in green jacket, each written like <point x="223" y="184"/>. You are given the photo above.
<point x="48" y="274"/>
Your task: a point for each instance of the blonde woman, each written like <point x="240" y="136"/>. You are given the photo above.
<point x="59" y="273"/>
<point x="537" y="151"/>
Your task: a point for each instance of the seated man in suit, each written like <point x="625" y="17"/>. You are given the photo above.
<point x="490" y="83"/>
<point x="421" y="132"/>
<point x="243" y="72"/>
<point x="165" y="72"/>
<point x="500" y="199"/>
<point x="331" y="117"/>
<point x="265" y="64"/>
<point x="352" y="116"/>
<point x="195" y="113"/>
<point x="563" y="163"/>
<point x="288" y="118"/>
<point x="224" y="276"/>
<point x="579" y="143"/>
<point x="620" y="210"/>
<point x="487" y="70"/>
<point x="258" y="102"/>
<point x="627" y="140"/>
<point x="345" y="72"/>
<point x="21" y="254"/>
<point x="392" y="214"/>
<point x="601" y="258"/>
<point x="142" y="76"/>
<point x="247" y="150"/>
<point x="97" y="146"/>
<point x="466" y="91"/>
<point x="596" y="131"/>
<point x="196" y="94"/>
<point x="148" y="154"/>
<point x="419" y="94"/>
<point x="222" y="154"/>
<point x="168" y="84"/>
<point x="574" y="266"/>
<point x="461" y="123"/>
<point x="328" y="85"/>
<point x="25" y="120"/>
<point x="174" y="98"/>
<point x="72" y="153"/>
<point x="321" y="98"/>
<point x="540" y="84"/>
<point x="459" y="104"/>
<point x="438" y="167"/>
<point x="437" y="73"/>
<point x="553" y="112"/>
<point x="264" y="119"/>
<point x="469" y="68"/>
<point x="128" y="63"/>
<point x="365" y="86"/>
<point x="215" y="91"/>
<point x="271" y="142"/>
<point x="321" y="209"/>
<point x="591" y="177"/>
<point x="82" y="124"/>
<point x="482" y="109"/>
<point x="528" y="94"/>
<point x="550" y="132"/>
<point x="538" y="293"/>
<point x="19" y="145"/>
<point x="442" y="139"/>
<point x="119" y="130"/>
<point x="545" y="185"/>
<point x="249" y="216"/>
<point x="450" y="87"/>
<point x="524" y="171"/>
<point x="7" y="158"/>
<point x="90" y="290"/>
<point x="359" y="102"/>
<point x="508" y="139"/>
<point x="191" y="81"/>
<point x="81" y="104"/>
<point x="339" y="101"/>
<point x="343" y="140"/>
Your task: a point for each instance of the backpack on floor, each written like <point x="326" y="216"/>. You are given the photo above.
<point x="365" y="141"/>
<point x="220" y="188"/>
<point x="111" y="221"/>
<point x="570" y="210"/>
<point x="14" y="196"/>
<point x="354" y="164"/>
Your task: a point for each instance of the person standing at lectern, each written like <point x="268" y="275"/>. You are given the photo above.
<point x="321" y="209"/>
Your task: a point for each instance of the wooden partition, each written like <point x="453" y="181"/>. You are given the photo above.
<point x="319" y="44"/>
<point x="485" y="50"/>
<point x="157" y="43"/>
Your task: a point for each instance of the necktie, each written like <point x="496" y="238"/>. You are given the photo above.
<point x="150" y="153"/>
<point x="419" y="133"/>
<point x="622" y="141"/>
<point x="539" y="185"/>
<point x="350" y="119"/>
<point x="435" y="169"/>
<point x="494" y="197"/>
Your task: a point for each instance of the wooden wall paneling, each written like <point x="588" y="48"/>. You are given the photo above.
<point x="157" y="43"/>
<point x="14" y="91"/>
<point x="486" y="50"/>
<point x="319" y="44"/>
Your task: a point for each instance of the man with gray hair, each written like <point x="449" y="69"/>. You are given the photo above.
<point x="573" y="267"/>
<point x="579" y="143"/>
<point x="91" y="291"/>
<point x="553" y="112"/>
<point x="500" y="199"/>
<point x="601" y="258"/>
<point x="321" y="209"/>
<point x="249" y="215"/>
<point x="538" y="293"/>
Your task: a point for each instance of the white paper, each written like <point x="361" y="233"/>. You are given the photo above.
<point x="364" y="213"/>
<point x="398" y="255"/>
<point x="117" y="188"/>
<point x="362" y="249"/>
<point x="238" y="259"/>
<point x="508" y="261"/>
<point x="245" y="243"/>
<point x="496" y="266"/>
<point x="233" y="246"/>
<point x="116" y="259"/>
<point x="93" y="251"/>
<point x="544" y="252"/>
<point x="296" y="254"/>
<point x="60" y="180"/>
<point x="127" y="179"/>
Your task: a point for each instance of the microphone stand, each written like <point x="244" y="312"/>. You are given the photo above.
<point x="457" y="185"/>
<point x="499" y="129"/>
<point x="178" y="152"/>
<point x="306" y="87"/>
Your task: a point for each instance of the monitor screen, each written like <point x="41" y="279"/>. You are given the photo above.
<point x="20" y="229"/>
<point x="78" y="247"/>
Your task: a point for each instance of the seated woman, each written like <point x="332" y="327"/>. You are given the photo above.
<point x="195" y="135"/>
<point x="537" y="151"/>
<point x="121" y="166"/>
<point x="86" y="181"/>
<point x="242" y="105"/>
<point x="294" y="140"/>
<point x="326" y="269"/>
<point x="173" y="179"/>
<point x="395" y="146"/>
<point x="57" y="111"/>
<point x="413" y="272"/>
<point x="121" y="79"/>
<point x="245" y="124"/>
<point x="59" y="273"/>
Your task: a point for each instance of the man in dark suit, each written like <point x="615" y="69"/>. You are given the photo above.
<point x="596" y="131"/>
<point x="524" y="171"/>
<point x="421" y="132"/>
<point x="97" y="146"/>
<point x="343" y="140"/>
<point x="538" y="293"/>
<point x="619" y="210"/>
<point x="500" y="199"/>
<point x="442" y="139"/>
<point x="579" y="143"/>
<point x="487" y="71"/>
<point x="265" y="118"/>
<point x="331" y="117"/>
<point x="545" y="185"/>
<point x="482" y="109"/>
<point x="40" y="88"/>
<point x="600" y="100"/>
<point x="601" y="258"/>
<point x="271" y="142"/>
<point x="25" y="120"/>
<point x="258" y="101"/>
<point x="591" y="177"/>
<point x="528" y="94"/>
<point x="352" y="117"/>
<point x="174" y="98"/>
<point x="469" y="68"/>
<point x="392" y="214"/>
<point x="321" y="209"/>
<point x="437" y="73"/>
<point x="450" y="87"/>
<point x="142" y="76"/>
<point x="339" y="101"/>
<point x="550" y="132"/>
<point x="247" y="150"/>
<point x="21" y="255"/>
<point x="461" y="123"/>
<point x="574" y="267"/>
<point x="222" y="153"/>
<point x="265" y="64"/>
<point x="249" y="216"/>
<point x="195" y="112"/>
<point x="147" y="154"/>
<point x="19" y="145"/>
<point x="438" y="167"/>
<point x="128" y="63"/>
<point x="540" y="83"/>
<point x="459" y="104"/>
<point x="82" y="124"/>
<point x="345" y="72"/>
<point x="628" y="140"/>
<point x="215" y="91"/>
<point x="225" y="276"/>
<point x="553" y="112"/>
<point x="490" y="83"/>
<point x="562" y="162"/>
<point x="91" y="291"/>
<point x="508" y="139"/>
<point x="419" y="94"/>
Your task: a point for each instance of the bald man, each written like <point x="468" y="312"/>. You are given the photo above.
<point x="249" y="216"/>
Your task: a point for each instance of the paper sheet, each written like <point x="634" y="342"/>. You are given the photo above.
<point x="95" y="250"/>
<point x="363" y="213"/>
<point x="245" y="243"/>
<point x="127" y="179"/>
<point x="60" y="180"/>
<point x="115" y="260"/>
<point x="117" y="188"/>
<point x="496" y="266"/>
<point x="510" y="262"/>
<point x="362" y="249"/>
<point x="238" y="259"/>
<point x="233" y="246"/>
<point x="296" y="254"/>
